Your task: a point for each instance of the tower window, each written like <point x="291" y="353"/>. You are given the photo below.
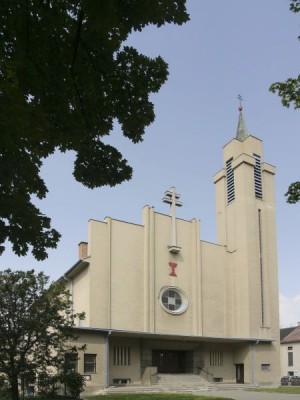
<point x="257" y="177"/>
<point x="230" y="181"/>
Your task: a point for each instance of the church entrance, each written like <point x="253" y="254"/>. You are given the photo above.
<point x="169" y="361"/>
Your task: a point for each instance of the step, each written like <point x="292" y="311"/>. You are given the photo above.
<point x="174" y="388"/>
<point x="165" y="378"/>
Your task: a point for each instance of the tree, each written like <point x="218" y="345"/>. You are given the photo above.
<point x="65" y="76"/>
<point x="74" y="383"/>
<point x="293" y="193"/>
<point x="289" y="91"/>
<point x="35" y="326"/>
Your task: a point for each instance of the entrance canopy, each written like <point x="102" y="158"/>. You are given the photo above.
<point x="163" y="336"/>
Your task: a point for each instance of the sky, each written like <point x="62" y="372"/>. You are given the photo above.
<point x="227" y="48"/>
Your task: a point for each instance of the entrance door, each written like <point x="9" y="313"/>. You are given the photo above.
<point x="239" y="372"/>
<point x="169" y="361"/>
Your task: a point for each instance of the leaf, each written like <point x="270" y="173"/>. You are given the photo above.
<point x="65" y="76"/>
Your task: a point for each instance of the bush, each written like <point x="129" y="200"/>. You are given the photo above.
<point x="74" y="383"/>
<point x="47" y="384"/>
<point x="4" y="389"/>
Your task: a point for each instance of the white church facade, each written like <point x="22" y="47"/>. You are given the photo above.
<point x="158" y="299"/>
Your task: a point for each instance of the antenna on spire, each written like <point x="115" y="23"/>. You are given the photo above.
<point x="240" y="100"/>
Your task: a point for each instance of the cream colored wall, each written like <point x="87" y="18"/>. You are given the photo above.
<point x="270" y="252"/>
<point x="99" y="270"/>
<point x="248" y="314"/>
<point x="116" y="266"/>
<point x="238" y="229"/>
<point x="213" y="290"/>
<point x="127" y="304"/>
<point x="129" y="265"/>
<point x="95" y="344"/>
<point x="285" y="368"/>
<point x="132" y="371"/>
<point x="268" y="353"/>
<point x="187" y="279"/>
<point x="252" y="356"/>
<point x="226" y="371"/>
<point x="81" y="295"/>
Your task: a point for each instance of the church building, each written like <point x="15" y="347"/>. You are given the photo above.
<point x="159" y="300"/>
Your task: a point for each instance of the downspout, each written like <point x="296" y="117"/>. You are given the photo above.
<point x="252" y="361"/>
<point x="107" y="358"/>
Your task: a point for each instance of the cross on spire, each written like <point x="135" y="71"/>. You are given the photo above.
<point x="240" y="100"/>
<point x="172" y="198"/>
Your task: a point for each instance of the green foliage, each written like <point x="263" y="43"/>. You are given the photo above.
<point x="289" y="91"/>
<point x="47" y="384"/>
<point x="65" y="77"/>
<point x="35" y="321"/>
<point x="4" y="389"/>
<point x="74" y="383"/>
<point x="295" y="6"/>
<point x="293" y="193"/>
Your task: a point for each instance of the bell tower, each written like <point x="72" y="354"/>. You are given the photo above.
<point x="245" y="207"/>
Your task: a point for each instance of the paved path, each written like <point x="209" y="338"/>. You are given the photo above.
<point x="236" y="394"/>
<point x="248" y="395"/>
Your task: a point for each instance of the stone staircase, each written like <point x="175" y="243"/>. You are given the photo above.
<point x="184" y="383"/>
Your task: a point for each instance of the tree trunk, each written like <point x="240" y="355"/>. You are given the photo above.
<point x="14" y="387"/>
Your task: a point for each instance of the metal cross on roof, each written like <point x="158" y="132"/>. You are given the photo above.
<point x="172" y="198"/>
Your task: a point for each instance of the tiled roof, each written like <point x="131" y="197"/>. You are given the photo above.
<point x="285" y="331"/>
<point x="293" y="336"/>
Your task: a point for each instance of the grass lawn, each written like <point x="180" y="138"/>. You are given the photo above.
<point x="154" y="396"/>
<point x="279" y="389"/>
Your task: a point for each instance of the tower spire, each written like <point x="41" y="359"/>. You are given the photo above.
<point x="241" y="133"/>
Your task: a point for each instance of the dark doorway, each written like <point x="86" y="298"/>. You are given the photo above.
<point x="239" y="372"/>
<point x="169" y="361"/>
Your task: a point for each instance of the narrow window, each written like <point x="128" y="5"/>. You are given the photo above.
<point x="261" y="267"/>
<point x="290" y="359"/>
<point x="121" y="355"/>
<point x="216" y="358"/>
<point x="89" y="363"/>
<point x="230" y="181"/>
<point x="257" y="177"/>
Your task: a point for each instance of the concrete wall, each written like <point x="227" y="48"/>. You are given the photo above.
<point x="230" y="288"/>
<point x="95" y="344"/>
<point x="132" y="369"/>
<point x="284" y="350"/>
